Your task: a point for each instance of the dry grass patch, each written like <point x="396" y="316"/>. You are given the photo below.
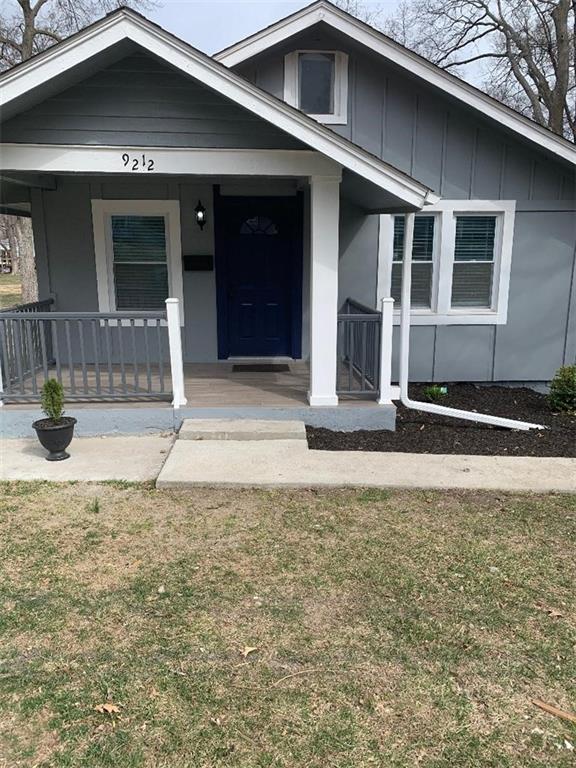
<point x="336" y="628"/>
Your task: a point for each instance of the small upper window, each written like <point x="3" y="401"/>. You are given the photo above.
<point x="317" y="83"/>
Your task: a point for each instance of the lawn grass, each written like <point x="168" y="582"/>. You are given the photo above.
<point x="10" y="290"/>
<point x="389" y="628"/>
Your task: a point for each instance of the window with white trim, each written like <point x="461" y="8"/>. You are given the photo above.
<point x="317" y="83"/>
<point x="473" y="268"/>
<point x="423" y="253"/>
<point x="139" y="262"/>
<point x="461" y="264"/>
<point x="138" y="253"/>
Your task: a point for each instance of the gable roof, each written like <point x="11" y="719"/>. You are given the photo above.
<point x="326" y="12"/>
<point x="126" y="25"/>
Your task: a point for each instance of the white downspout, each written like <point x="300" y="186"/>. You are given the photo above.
<point x="405" y="351"/>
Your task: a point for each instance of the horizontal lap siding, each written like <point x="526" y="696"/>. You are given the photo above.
<point x="141" y="102"/>
<point x="461" y="155"/>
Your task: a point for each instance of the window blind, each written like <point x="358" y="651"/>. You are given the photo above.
<point x="422" y="264"/>
<point x="140" y="262"/>
<point x="473" y="271"/>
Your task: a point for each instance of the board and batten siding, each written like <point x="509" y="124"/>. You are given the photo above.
<point x="140" y="101"/>
<point x="423" y="132"/>
<point x="460" y="155"/>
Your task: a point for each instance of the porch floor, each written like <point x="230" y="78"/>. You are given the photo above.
<point x="214" y="385"/>
<point x="207" y="385"/>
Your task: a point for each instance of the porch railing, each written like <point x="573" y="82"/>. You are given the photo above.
<point x="358" y="349"/>
<point x="94" y="355"/>
<point x="23" y="350"/>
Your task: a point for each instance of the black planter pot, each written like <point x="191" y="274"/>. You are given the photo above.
<point x="55" y="437"/>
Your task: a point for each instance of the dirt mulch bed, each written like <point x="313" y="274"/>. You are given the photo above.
<point x="418" y="432"/>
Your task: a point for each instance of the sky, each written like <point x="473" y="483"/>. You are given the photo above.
<point x="211" y="26"/>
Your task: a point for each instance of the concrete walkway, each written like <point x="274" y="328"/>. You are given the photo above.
<point x="229" y="459"/>
<point x="132" y="458"/>
<point x="290" y="464"/>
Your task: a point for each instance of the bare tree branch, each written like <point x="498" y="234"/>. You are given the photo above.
<point x="525" y="50"/>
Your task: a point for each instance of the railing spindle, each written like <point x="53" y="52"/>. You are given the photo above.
<point x="160" y="358"/>
<point x="83" y="355"/>
<point x="54" y="327"/>
<point x="43" y="347"/>
<point x="29" y="351"/>
<point x="71" y="376"/>
<point x="96" y="351"/>
<point x="108" y="338"/>
<point x="134" y="356"/>
<point x="147" y="356"/>
<point x="121" y="356"/>
<point x="18" y="356"/>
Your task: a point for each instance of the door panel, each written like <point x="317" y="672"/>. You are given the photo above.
<point x="258" y="243"/>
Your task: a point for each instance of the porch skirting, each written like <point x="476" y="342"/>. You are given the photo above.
<point x="113" y="419"/>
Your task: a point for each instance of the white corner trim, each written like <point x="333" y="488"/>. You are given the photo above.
<point x="292" y="85"/>
<point x="402" y="57"/>
<point x="101" y="212"/>
<point x="126" y="25"/>
<point x="444" y="240"/>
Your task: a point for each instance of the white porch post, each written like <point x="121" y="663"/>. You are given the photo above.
<point x="324" y="221"/>
<point x="175" y="346"/>
<point x="386" y="352"/>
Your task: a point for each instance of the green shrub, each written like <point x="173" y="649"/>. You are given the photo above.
<point x="52" y="400"/>
<point x="562" y="395"/>
<point x="435" y="392"/>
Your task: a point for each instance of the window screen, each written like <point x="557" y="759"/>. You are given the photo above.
<point x="140" y="262"/>
<point x="473" y="272"/>
<point x="316" y="75"/>
<point x="422" y="264"/>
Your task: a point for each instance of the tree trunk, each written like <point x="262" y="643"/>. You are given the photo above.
<point x="26" y="259"/>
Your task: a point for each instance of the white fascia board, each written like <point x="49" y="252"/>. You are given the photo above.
<point x="407" y="60"/>
<point x="126" y="25"/>
<point x="266" y="38"/>
<point x="88" y="158"/>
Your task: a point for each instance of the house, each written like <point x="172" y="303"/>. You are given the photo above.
<point x="264" y="192"/>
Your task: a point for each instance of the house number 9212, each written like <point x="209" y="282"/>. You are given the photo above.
<point x="137" y="163"/>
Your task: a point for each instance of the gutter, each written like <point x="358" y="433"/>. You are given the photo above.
<point x="416" y="405"/>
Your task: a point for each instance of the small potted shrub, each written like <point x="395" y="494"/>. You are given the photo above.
<point x="562" y="396"/>
<point x="55" y="432"/>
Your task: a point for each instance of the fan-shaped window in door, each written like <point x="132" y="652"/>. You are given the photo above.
<point x="259" y="225"/>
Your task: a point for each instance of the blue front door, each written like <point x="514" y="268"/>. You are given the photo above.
<point x="258" y="252"/>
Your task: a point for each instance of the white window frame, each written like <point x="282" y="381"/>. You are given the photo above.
<point x="292" y="85"/>
<point x="102" y="211"/>
<point x="435" y="264"/>
<point x="442" y="312"/>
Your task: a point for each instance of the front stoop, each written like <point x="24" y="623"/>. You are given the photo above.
<point x="241" y="430"/>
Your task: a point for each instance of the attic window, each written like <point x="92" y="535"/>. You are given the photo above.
<point x="317" y="83"/>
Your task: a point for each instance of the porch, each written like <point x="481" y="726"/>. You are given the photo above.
<point x="137" y="357"/>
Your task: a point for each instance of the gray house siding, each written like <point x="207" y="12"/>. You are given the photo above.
<point x="64" y="242"/>
<point x="421" y="131"/>
<point x="140" y="101"/>
<point x="460" y="155"/>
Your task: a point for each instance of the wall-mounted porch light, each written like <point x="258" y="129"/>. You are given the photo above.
<point x="200" y="212"/>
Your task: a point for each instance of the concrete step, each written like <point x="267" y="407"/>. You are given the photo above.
<point x="241" y="429"/>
